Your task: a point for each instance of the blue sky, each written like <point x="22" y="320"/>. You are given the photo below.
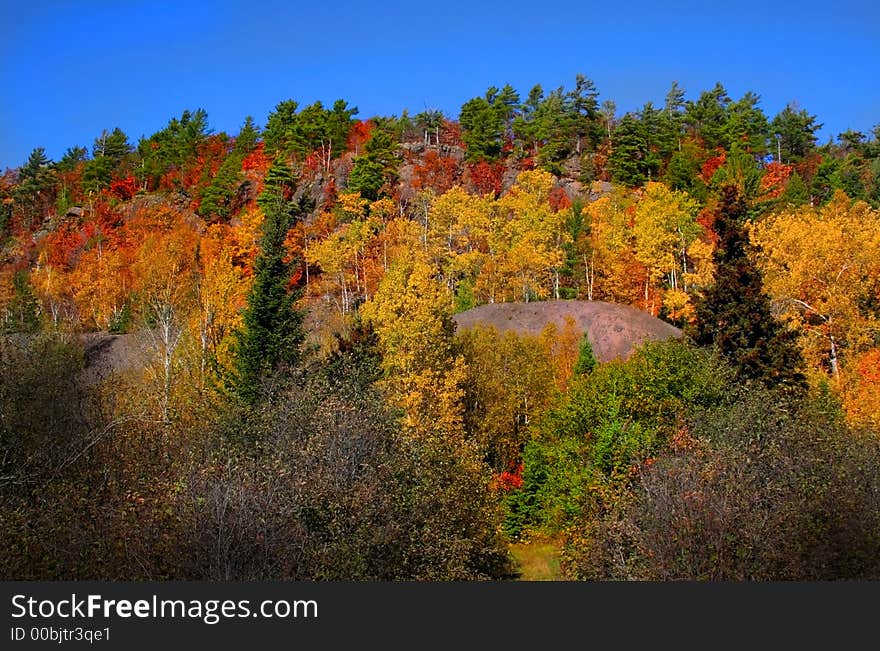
<point x="69" y="70"/>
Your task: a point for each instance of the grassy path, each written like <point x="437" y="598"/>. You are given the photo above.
<point x="537" y="560"/>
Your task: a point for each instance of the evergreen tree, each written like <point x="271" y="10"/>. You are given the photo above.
<point x="72" y="157"/>
<point x="672" y="120"/>
<point x="340" y="119"/>
<point x="583" y="105"/>
<point x="507" y="105"/>
<point x="114" y="145"/>
<point x="366" y="177"/>
<point x="628" y="161"/>
<point x="217" y="198"/>
<point x="429" y="122"/>
<point x="97" y="174"/>
<point x="482" y="126"/>
<point x="308" y="130"/>
<point x="747" y="125"/>
<point x="524" y="126"/>
<point x="314" y="128"/>
<point x="825" y="181"/>
<point x="734" y="315"/>
<point x="281" y="120"/>
<point x="377" y="166"/>
<point x="656" y="149"/>
<point x="796" y="131"/>
<point x="35" y="191"/>
<point x="553" y="128"/>
<point x="707" y="117"/>
<point x="586" y="360"/>
<point x="272" y="334"/>
<point x="172" y="147"/>
<point x="851" y="175"/>
<point x="247" y="138"/>
<point x="108" y="151"/>
<point x="683" y="170"/>
<point x="796" y="192"/>
<point x="36" y="162"/>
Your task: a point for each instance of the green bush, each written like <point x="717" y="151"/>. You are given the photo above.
<point x="581" y="457"/>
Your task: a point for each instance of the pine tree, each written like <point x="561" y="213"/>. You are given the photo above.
<point x="796" y="131"/>
<point x="35" y="191"/>
<point x="629" y="152"/>
<point x="482" y="126"/>
<point x="734" y="315"/>
<point x="272" y="334"/>
<point x="796" y="192"/>
<point x="707" y="117"/>
<point x="113" y="144"/>
<point x="247" y="138"/>
<point x="376" y="167"/>
<point x="218" y="198"/>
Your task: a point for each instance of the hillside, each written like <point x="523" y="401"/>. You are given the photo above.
<point x="614" y="330"/>
<point x="234" y="356"/>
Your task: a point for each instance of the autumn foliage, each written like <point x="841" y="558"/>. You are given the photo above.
<point x="254" y="335"/>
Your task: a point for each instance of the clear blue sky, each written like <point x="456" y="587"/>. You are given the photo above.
<point x="70" y="69"/>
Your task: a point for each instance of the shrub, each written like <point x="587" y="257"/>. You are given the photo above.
<point x="582" y="456"/>
<point x="766" y="491"/>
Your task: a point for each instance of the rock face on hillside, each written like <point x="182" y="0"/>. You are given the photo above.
<point x="614" y="330"/>
<point x="106" y="355"/>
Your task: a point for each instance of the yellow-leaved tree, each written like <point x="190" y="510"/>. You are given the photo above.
<point x="101" y="284"/>
<point x="664" y="226"/>
<point x="411" y="314"/>
<point x="821" y="266"/>
<point x="613" y="272"/>
<point x="221" y="293"/>
<point x="530" y="237"/>
<point x="861" y="395"/>
<point x="163" y="276"/>
<point x="510" y="381"/>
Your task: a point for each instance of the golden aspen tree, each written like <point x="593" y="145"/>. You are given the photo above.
<point x="101" y="284"/>
<point x="664" y="225"/>
<point x="510" y="382"/>
<point x="412" y="315"/>
<point x="562" y="347"/>
<point x="163" y="278"/>
<point x="822" y="268"/>
<point x="861" y="396"/>
<point x="531" y="237"/>
<point x="221" y="293"/>
<point x="614" y="273"/>
<point x="50" y="284"/>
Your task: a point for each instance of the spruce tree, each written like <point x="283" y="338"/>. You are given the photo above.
<point x="272" y="335"/>
<point x="734" y="315"/>
<point x="586" y="360"/>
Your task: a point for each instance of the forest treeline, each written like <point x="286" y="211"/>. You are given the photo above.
<point x="302" y="406"/>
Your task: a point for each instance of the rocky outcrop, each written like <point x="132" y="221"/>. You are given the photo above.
<point x="614" y="330"/>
